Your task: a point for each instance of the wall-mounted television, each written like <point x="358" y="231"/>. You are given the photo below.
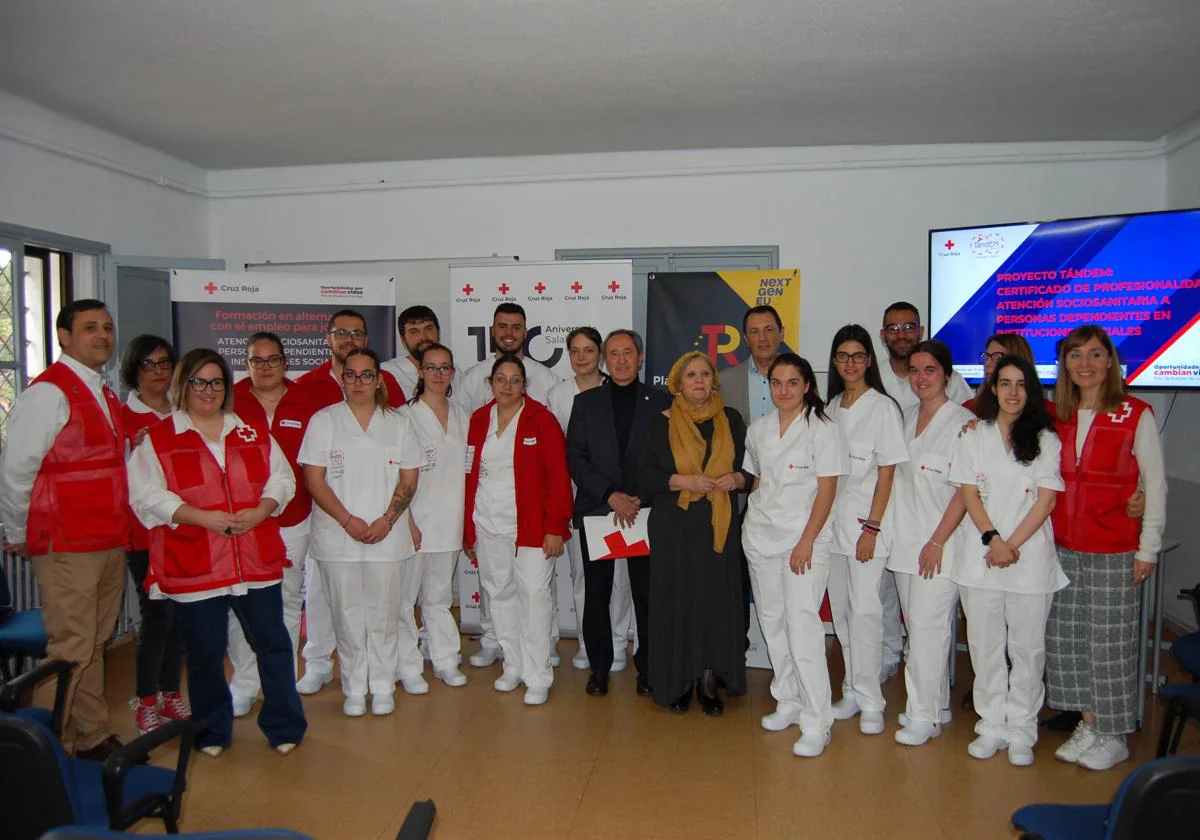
<point x="1136" y="275"/>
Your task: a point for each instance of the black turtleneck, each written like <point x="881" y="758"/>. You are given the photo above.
<point x="624" y="405"/>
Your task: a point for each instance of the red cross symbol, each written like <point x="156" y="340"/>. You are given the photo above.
<point x="791" y="466"/>
<point x="540" y="287"/>
<point x="922" y="467"/>
<point x="467" y="289"/>
<point x="613" y="286"/>
<point x="576" y="287"/>
<point x="475" y="597"/>
<point x="503" y="288"/>
<point x="949" y="244"/>
<point x="474" y="562"/>
<point x="210" y="287"/>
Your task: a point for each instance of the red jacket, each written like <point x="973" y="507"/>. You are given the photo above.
<point x="80" y="498"/>
<point x="287" y="427"/>
<point x="189" y="558"/>
<point x="1090" y="515"/>
<point x="323" y="391"/>
<point x="135" y="423"/>
<point x="543" y="485"/>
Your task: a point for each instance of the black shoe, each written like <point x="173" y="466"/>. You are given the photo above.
<point x="597" y="684"/>
<point x="1063" y="722"/>
<point x="643" y="686"/>
<point x="711" y="704"/>
<point x="683" y="702"/>
<point x="102" y="750"/>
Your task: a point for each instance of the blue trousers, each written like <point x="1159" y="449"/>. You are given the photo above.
<point x="205" y="638"/>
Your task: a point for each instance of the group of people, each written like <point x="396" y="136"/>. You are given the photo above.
<point x="350" y="491"/>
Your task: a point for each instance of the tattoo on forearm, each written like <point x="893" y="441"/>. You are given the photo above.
<point x="402" y="496"/>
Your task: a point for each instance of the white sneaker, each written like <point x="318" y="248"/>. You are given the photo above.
<point x="580" y="660"/>
<point x="415" y="685"/>
<point x="212" y="751"/>
<point x="944" y="717"/>
<point x="915" y="734"/>
<point x="1020" y="755"/>
<point x="780" y="720"/>
<point x="383" y="704"/>
<point x="452" y="677"/>
<point x="871" y="723"/>
<point x="1108" y="751"/>
<point x="536" y="696"/>
<point x="313" y="681"/>
<point x="555" y="659"/>
<point x="620" y="662"/>
<point x="484" y="657"/>
<point x="285" y="748"/>
<point x="507" y="681"/>
<point x="811" y="744"/>
<point x="985" y="746"/>
<point x="845" y="708"/>
<point x="1081" y="741"/>
<point x="242" y="705"/>
<point x="354" y="706"/>
<point x="888" y="671"/>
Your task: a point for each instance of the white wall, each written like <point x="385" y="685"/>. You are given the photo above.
<point x="66" y="177"/>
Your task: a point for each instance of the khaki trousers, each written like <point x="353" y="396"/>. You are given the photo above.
<point x="81" y="598"/>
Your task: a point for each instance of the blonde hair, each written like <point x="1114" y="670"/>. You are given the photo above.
<point x="1066" y="392"/>
<point x="675" y="377"/>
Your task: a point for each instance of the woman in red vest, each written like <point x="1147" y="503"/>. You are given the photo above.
<point x="1110" y="446"/>
<point x="208" y="487"/>
<point x="518" y="506"/>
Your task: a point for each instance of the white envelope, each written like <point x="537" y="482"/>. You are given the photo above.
<point x="607" y="541"/>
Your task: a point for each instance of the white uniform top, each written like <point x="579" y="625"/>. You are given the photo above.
<point x="496" y="495"/>
<point x="362" y="468"/>
<point x="900" y="389"/>
<point x="1009" y="489"/>
<point x="922" y="490"/>
<point x="438" y="506"/>
<point x="473" y="391"/>
<point x="562" y="400"/>
<point x="788" y="468"/>
<point x="405" y="371"/>
<point x="874" y="434"/>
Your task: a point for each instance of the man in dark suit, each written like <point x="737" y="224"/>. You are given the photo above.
<point x="604" y="438"/>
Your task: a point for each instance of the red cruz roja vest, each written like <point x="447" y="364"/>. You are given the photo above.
<point x="80" y="498"/>
<point x="287" y="426"/>
<point x="135" y="422"/>
<point x="189" y="558"/>
<point x="1090" y="514"/>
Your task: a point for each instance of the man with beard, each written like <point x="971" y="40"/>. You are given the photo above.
<point x="418" y="327"/>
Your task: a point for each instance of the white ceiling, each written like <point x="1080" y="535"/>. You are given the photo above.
<point x="243" y="83"/>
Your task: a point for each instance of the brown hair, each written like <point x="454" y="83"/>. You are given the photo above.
<point x="191" y="362"/>
<point x="381" y="394"/>
<point x="1066" y="392"/>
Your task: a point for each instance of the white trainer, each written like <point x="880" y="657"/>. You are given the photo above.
<point x="914" y="734"/>
<point x="555" y="659"/>
<point x="846" y="708"/>
<point x="1081" y="741"/>
<point x="285" y="748"/>
<point x="811" y="744"/>
<point x="354" y="706"/>
<point x="415" y="685"/>
<point x="944" y="717"/>
<point x="1020" y="755"/>
<point x="507" y="681"/>
<point x="383" y="704"/>
<point x="313" y="681"/>
<point x="580" y="660"/>
<point x="212" y="751"/>
<point x="779" y="720"/>
<point x="484" y="657"/>
<point x="536" y="696"/>
<point x="1108" y="751"/>
<point x="871" y="723"/>
<point x="242" y="705"/>
<point x="452" y="677"/>
<point x="985" y="746"/>
<point x="620" y="661"/>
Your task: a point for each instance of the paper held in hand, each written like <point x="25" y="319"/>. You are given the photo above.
<point x="607" y="541"/>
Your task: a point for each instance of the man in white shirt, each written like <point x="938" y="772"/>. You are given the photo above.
<point x="901" y="332"/>
<point x="418" y="328"/>
<point x="64" y="503"/>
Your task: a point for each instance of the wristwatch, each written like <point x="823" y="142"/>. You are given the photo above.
<point x="987" y="536"/>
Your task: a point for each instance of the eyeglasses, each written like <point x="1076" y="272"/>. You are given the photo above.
<point x="442" y="369"/>
<point x="355" y="334"/>
<point x="156" y="364"/>
<point x="907" y="326"/>
<point x="258" y="362"/>
<point x="990" y="357"/>
<point x="366" y="377"/>
<point x="858" y="358"/>
<point x="201" y="385"/>
<point x="515" y="381"/>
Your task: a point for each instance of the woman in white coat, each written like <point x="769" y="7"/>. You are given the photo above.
<point x="361" y="461"/>
<point x="435" y="519"/>
<point x="796" y="455"/>
<point x="925" y="521"/>
<point x="1008" y="467"/>
<point x="584" y="346"/>
<point x="870" y="422"/>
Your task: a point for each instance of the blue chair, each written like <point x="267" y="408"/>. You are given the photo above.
<point x="22" y="632"/>
<point x="13" y="692"/>
<point x="1159" y="800"/>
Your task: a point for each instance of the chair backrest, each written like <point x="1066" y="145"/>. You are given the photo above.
<point x="1160" y="800"/>
<point x="37" y="786"/>
<point x="6" y="603"/>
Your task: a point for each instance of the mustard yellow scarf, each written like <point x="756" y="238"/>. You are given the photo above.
<point x="687" y="446"/>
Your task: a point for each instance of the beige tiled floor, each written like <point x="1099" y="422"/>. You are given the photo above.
<point x="618" y="767"/>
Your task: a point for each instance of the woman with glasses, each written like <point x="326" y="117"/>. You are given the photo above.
<point x="516" y="519"/>
<point x="435" y="519"/>
<point x="146" y="371"/>
<point x="997" y="347"/>
<point x="871" y="424"/>
<point x="361" y="461"/>
<point x="210" y="487"/>
<point x="275" y="406"/>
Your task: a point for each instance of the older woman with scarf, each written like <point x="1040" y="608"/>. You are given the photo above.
<point x="691" y="465"/>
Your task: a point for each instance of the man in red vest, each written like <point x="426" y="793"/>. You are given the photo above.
<point x="64" y="502"/>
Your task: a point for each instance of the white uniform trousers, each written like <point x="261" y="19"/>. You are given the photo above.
<point x="429" y="580"/>
<point x="1007" y="700"/>
<point x="893" y="634"/>
<point x="620" y="606"/>
<point x="318" y="623"/>
<point x="854" y="600"/>
<point x="245" y="682"/>
<point x="517" y="583"/>
<point x="364" y="600"/>
<point x="789" y="609"/>
<point x="928" y="606"/>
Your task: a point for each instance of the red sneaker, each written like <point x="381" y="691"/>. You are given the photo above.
<point x="146" y="715"/>
<point x="174" y="707"/>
